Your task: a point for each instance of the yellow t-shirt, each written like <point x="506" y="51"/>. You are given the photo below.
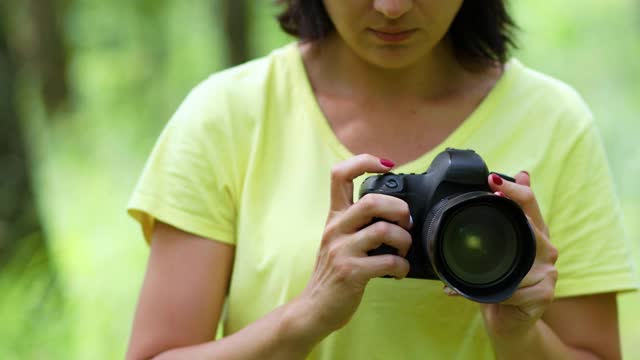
<point x="246" y="161"/>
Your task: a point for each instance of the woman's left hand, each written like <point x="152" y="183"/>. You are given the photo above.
<point x="519" y="314"/>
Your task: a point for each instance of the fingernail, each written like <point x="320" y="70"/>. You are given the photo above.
<point x="526" y="172"/>
<point x="387" y="163"/>
<point x="500" y="193"/>
<point x="496" y="179"/>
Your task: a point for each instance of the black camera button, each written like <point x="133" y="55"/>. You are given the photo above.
<point x="391" y="184"/>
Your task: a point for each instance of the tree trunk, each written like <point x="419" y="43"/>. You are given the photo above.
<point x="235" y="17"/>
<point x="34" y="32"/>
<point x="18" y="214"/>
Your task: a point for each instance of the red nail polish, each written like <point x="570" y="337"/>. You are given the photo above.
<point x="387" y="163"/>
<point x="496" y="179"/>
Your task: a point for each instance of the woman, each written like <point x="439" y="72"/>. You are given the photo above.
<point x="234" y="198"/>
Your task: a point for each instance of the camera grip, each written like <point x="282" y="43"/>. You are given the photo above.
<point x="383" y="249"/>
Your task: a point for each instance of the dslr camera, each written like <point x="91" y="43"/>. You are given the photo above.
<point x="479" y="244"/>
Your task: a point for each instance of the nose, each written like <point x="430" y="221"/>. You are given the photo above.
<point x="393" y="9"/>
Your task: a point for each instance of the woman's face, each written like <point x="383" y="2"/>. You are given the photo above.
<point x="392" y="33"/>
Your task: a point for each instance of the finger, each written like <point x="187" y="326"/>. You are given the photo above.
<point x="540" y="240"/>
<point x="542" y="291"/>
<point x="521" y="296"/>
<point x="343" y="173"/>
<point x="541" y="271"/>
<point x="383" y="265"/>
<point x="533" y="278"/>
<point x="521" y="194"/>
<point x="523" y="178"/>
<point x="449" y="291"/>
<point x="372" y="206"/>
<point x="382" y="232"/>
<point x="546" y="252"/>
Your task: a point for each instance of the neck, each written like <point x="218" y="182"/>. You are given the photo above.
<point x="342" y="72"/>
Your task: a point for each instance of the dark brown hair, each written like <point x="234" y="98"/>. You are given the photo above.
<point x="482" y="31"/>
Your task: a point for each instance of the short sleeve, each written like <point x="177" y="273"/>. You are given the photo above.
<point x="586" y="225"/>
<point x="188" y="181"/>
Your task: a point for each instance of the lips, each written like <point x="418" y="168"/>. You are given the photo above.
<point x="393" y="34"/>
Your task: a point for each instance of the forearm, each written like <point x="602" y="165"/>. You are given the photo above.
<point x="540" y="342"/>
<point x="285" y="333"/>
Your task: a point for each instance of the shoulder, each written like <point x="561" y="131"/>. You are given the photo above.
<point x="239" y="94"/>
<point x="556" y="103"/>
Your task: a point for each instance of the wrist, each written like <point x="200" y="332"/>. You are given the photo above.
<point x="535" y="342"/>
<point x="509" y="344"/>
<point x="512" y="332"/>
<point x="299" y="324"/>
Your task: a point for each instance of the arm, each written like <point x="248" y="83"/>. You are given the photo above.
<point x="182" y="299"/>
<point x="587" y="324"/>
<point x="584" y="327"/>
<point x="188" y="276"/>
<point x="531" y="325"/>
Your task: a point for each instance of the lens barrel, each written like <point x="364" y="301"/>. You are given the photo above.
<point x="479" y="244"/>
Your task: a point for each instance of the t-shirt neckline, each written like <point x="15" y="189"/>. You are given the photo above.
<point x="457" y="138"/>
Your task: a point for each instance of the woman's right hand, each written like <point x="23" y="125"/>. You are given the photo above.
<point x="343" y="267"/>
<point x="178" y="311"/>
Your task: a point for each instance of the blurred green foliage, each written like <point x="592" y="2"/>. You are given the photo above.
<point x="132" y="63"/>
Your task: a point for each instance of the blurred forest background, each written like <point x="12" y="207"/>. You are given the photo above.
<point x="87" y="85"/>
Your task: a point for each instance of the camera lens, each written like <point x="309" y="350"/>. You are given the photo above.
<point x="479" y="244"/>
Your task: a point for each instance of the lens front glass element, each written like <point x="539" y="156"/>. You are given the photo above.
<point x="479" y="244"/>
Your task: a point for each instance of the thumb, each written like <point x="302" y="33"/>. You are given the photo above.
<point x="343" y="173"/>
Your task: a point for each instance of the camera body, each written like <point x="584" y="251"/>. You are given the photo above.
<point x="451" y="196"/>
